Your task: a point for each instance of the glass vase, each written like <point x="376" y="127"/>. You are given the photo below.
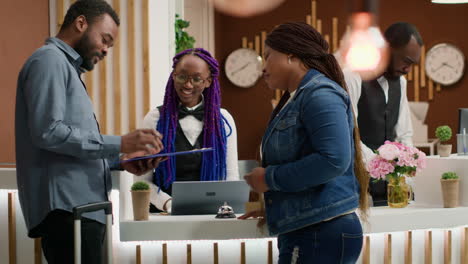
<point x="398" y="192"/>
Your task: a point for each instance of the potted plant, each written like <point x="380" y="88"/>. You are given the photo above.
<point x="140" y="200"/>
<point x="444" y="133"/>
<point x="182" y="39"/>
<point x="450" y="186"/>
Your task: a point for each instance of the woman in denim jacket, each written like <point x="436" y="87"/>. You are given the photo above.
<point x="312" y="174"/>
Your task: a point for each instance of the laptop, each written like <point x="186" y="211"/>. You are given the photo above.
<point x="205" y="197"/>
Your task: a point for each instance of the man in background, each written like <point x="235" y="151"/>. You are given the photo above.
<point x="381" y="105"/>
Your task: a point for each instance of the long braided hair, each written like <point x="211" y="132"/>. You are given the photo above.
<point x="306" y="43"/>
<point x="214" y="134"/>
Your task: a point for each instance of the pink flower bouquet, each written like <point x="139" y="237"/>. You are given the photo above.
<point x="394" y="159"/>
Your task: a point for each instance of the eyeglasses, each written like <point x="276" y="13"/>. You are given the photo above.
<point x="194" y="80"/>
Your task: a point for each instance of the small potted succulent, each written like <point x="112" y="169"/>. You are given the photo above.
<point x="444" y="133"/>
<point x="450" y="189"/>
<point x="140" y="200"/>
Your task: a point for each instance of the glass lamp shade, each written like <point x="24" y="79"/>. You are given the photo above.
<point x="363" y="48"/>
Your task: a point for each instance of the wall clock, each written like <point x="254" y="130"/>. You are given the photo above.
<point x="244" y="67"/>
<point x="445" y="63"/>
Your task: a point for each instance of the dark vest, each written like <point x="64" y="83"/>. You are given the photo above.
<point x="188" y="167"/>
<point x="377" y="119"/>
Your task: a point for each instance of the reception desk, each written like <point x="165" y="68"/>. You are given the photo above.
<point x="178" y="238"/>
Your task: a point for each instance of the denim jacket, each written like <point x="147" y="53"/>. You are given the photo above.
<point x="308" y="153"/>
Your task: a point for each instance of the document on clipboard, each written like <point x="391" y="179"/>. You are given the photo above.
<point x="185" y="152"/>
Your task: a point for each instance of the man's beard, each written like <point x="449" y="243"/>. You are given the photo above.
<point x="84" y="48"/>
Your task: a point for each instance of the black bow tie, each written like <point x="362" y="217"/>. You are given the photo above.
<point x="198" y="112"/>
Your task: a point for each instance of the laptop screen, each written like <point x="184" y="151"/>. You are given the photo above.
<point x="205" y="197"/>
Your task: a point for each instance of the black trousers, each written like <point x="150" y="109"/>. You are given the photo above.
<point x="57" y="239"/>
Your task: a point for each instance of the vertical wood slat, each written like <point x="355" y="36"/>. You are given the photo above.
<point x="314" y="13"/>
<point x="164" y="253"/>
<point x="423" y="66"/>
<point x="388" y="249"/>
<point x="215" y="253"/>
<point x="103" y="96"/>
<point x="138" y="254"/>
<point x="244" y="42"/>
<point x="37" y="251"/>
<point x="263" y="38"/>
<point x="242" y="260"/>
<point x="430" y="89"/>
<point x="146" y="58"/>
<point x="11" y="228"/>
<point x="366" y="250"/>
<point x="250" y="45"/>
<point x="257" y="44"/>
<point x="131" y="65"/>
<point x="270" y="252"/>
<point x="189" y="254"/>
<point x="408" y="247"/>
<point x="117" y="89"/>
<point x="309" y="20"/>
<point x="334" y="34"/>
<point x="60" y="6"/>
<point x="410" y="73"/>
<point x="438" y="87"/>
<point x="464" y="245"/>
<point x="416" y="83"/>
<point x="319" y="26"/>
<point x="89" y="85"/>
<point x="428" y="248"/>
<point x="327" y="39"/>
<point x="448" y="247"/>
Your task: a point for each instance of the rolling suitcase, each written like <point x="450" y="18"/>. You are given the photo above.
<point x="78" y="212"/>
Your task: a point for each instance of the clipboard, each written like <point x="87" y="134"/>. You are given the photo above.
<point x="185" y="152"/>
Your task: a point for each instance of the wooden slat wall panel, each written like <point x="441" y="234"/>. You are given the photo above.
<point x="117" y="89"/>
<point x="138" y="254"/>
<point x="37" y="251"/>
<point x="464" y="245"/>
<point x="215" y="253"/>
<point x="366" y="250"/>
<point x="242" y="256"/>
<point x="408" y="247"/>
<point x="448" y="247"/>
<point x="60" y="5"/>
<point x="388" y="249"/>
<point x="11" y="229"/>
<point x="428" y="248"/>
<point x="146" y="57"/>
<point x="103" y="96"/>
<point x="164" y="253"/>
<point x="131" y="65"/>
<point x="270" y="252"/>
<point x="244" y="42"/>
<point x="189" y="254"/>
<point x="314" y="13"/>
<point x="416" y="83"/>
<point x="334" y="34"/>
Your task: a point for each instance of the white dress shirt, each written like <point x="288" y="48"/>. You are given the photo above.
<point x="403" y="127"/>
<point x="192" y="128"/>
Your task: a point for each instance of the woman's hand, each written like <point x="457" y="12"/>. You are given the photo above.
<point x="259" y="214"/>
<point x="256" y="180"/>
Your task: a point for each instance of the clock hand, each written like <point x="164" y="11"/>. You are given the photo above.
<point x="240" y="69"/>
<point x="448" y="65"/>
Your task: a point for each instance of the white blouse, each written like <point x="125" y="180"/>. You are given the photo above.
<point x="192" y="129"/>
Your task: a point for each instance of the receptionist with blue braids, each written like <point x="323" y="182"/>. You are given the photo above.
<point x="191" y="117"/>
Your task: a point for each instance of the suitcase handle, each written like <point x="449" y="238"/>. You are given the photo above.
<point x="91" y="207"/>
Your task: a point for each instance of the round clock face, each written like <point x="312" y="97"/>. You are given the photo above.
<point x="445" y="64"/>
<point x="244" y="67"/>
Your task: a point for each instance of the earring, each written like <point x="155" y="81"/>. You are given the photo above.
<point x="289" y="60"/>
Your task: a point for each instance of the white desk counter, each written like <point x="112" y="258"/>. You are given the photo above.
<point x="382" y="219"/>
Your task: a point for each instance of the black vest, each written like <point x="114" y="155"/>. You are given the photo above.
<point x="377" y="119"/>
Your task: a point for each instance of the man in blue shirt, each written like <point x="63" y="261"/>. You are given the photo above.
<point x="62" y="158"/>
